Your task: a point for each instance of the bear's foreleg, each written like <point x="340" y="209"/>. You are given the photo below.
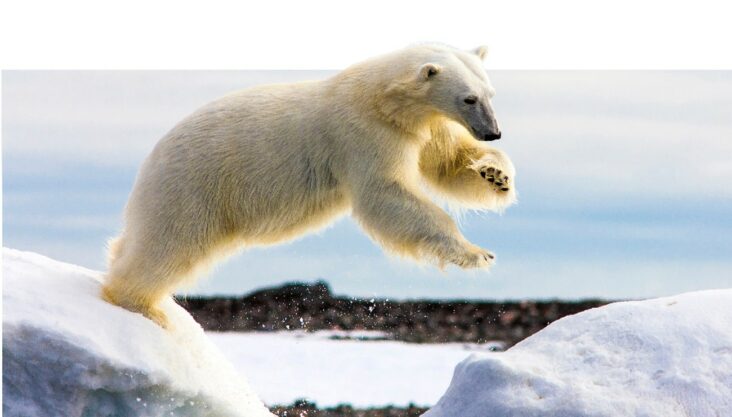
<point x="469" y="173"/>
<point x="408" y="224"/>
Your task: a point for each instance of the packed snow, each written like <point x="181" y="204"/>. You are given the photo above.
<point x="286" y="366"/>
<point x="68" y="353"/>
<point x="665" y="357"/>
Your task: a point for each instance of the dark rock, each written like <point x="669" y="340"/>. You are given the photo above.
<point x="312" y="307"/>
<point x="301" y="408"/>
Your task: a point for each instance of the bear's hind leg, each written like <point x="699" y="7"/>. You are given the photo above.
<point x="140" y="278"/>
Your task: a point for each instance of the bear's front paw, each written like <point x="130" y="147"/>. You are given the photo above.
<point x="500" y="181"/>
<point x="474" y="258"/>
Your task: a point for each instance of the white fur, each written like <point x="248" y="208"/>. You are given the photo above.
<point x="268" y="164"/>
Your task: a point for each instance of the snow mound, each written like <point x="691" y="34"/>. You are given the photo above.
<point x="68" y="353"/>
<point x="662" y="357"/>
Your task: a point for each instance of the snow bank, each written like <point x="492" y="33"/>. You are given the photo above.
<point x="664" y="357"/>
<point x="68" y="353"/>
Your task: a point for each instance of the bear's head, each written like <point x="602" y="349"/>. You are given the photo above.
<point x="451" y="83"/>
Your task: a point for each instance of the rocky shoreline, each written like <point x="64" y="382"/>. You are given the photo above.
<point x="307" y="409"/>
<point x="313" y="307"/>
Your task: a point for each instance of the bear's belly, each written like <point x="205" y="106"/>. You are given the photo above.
<point x="287" y="219"/>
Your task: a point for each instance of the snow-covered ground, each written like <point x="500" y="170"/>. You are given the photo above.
<point x="68" y="353"/>
<point x="286" y="366"/>
<point x="666" y="357"/>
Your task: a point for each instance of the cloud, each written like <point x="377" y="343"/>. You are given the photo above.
<point x="111" y="117"/>
<point x="373" y="275"/>
<point x="627" y="132"/>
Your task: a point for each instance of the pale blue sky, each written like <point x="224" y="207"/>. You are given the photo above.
<point x="624" y="182"/>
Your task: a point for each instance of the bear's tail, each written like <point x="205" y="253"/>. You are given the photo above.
<point x="114" y="249"/>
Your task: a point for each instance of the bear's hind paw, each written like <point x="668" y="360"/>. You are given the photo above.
<point x="157" y="316"/>
<point x="150" y="311"/>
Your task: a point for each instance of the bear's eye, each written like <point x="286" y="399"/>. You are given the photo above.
<point x="470" y="100"/>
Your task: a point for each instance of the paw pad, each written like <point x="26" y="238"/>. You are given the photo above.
<point x="495" y="177"/>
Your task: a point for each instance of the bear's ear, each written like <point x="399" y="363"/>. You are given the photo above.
<point x="481" y="51"/>
<point x="428" y="71"/>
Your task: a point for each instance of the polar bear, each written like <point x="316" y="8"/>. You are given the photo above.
<point x="270" y="163"/>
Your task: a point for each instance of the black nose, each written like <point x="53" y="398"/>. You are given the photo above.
<point x="492" y="136"/>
